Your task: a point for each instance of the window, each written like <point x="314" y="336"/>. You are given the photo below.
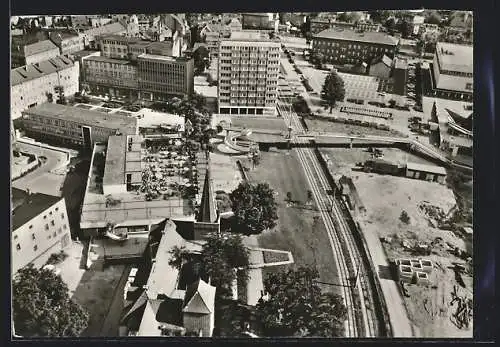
<point x="18" y="247"/>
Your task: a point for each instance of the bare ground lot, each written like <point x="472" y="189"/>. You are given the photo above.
<point x="333" y="127"/>
<point x="299" y="230"/>
<point x="384" y="198"/>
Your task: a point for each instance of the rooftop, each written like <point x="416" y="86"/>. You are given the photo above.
<point x="401" y="64"/>
<point x="125" y="124"/>
<point x="84" y="53"/>
<point x="38" y="47"/>
<point x="29" y="206"/>
<point x="119" y="38"/>
<point x="106" y="29"/>
<point x="162" y="57"/>
<point x="454" y="57"/>
<point x="351" y="35"/>
<point x="426" y="168"/>
<point x="37" y="70"/>
<point x="114" y="170"/>
<point x="249" y="35"/>
<point x="108" y="60"/>
<point x="59" y="36"/>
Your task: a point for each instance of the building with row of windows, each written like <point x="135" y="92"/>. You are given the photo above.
<point x="37" y="83"/>
<point x="67" y="42"/>
<point x="320" y="24"/>
<point x="248" y="74"/>
<point x="452" y="71"/>
<point x="40" y="228"/>
<point x="74" y="126"/>
<point x="343" y="46"/>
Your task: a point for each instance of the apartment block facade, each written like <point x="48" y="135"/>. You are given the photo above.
<point x="161" y="77"/>
<point x="343" y="46"/>
<point x="248" y="74"/>
<point x="103" y="75"/>
<point x="35" y="84"/>
<point x="40" y="227"/>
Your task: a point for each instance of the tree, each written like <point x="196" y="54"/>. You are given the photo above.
<point x="221" y="255"/>
<point x="297" y="307"/>
<point x="434" y="113"/>
<point x="333" y="90"/>
<point x="201" y="59"/>
<point x="179" y="256"/>
<point x="404" y="217"/>
<point x="433" y="18"/>
<point x="42" y="306"/>
<point x="390" y="24"/>
<point x="254" y="207"/>
<point x="405" y="28"/>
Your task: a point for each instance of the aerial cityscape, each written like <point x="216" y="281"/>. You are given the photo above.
<point x="243" y="175"/>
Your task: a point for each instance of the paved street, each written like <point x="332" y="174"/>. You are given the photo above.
<point x="42" y="180"/>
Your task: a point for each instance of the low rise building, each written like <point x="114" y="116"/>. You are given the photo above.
<point x="400" y="76"/>
<point x="343" y="46"/>
<point x="426" y="172"/>
<point x="452" y="71"/>
<point x="37" y="83"/>
<point x="381" y="67"/>
<point x="74" y="126"/>
<point x="67" y="42"/>
<point x="91" y="35"/>
<point x="33" y="53"/>
<point x="40" y="227"/>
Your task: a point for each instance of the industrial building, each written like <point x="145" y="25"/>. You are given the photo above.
<point x="248" y="74"/>
<point x="452" y="71"/>
<point x="37" y="83"/>
<point x="74" y="126"/>
<point x="426" y="172"/>
<point x="40" y="227"/>
<point x="345" y="46"/>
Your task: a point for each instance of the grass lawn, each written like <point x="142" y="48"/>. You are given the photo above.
<point x="299" y="230"/>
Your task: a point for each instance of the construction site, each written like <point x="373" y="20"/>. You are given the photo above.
<point x="416" y="224"/>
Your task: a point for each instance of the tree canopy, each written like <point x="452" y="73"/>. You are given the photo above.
<point x="254" y="207"/>
<point x="297" y="307"/>
<point x="333" y="90"/>
<point x="201" y="59"/>
<point x="433" y="18"/>
<point x="42" y="306"/>
<point x="220" y="256"/>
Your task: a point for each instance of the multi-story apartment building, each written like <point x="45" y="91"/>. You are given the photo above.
<point x="367" y="26"/>
<point x="161" y="76"/>
<point x="248" y="74"/>
<point x="342" y="46"/>
<point x="35" y="84"/>
<point x="105" y="75"/>
<point x="67" y="43"/>
<point x="452" y="71"/>
<point x="122" y="47"/>
<point x="74" y="126"/>
<point x="40" y="227"/>
<point x="33" y="53"/>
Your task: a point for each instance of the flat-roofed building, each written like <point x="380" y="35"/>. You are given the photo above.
<point x="105" y="75"/>
<point x="248" y="74"/>
<point x="37" y="83"/>
<point x="40" y="227"/>
<point x="122" y="47"/>
<point x="344" y="46"/>
<point x="33" y="53"/>
<point x="426" y="172"/>
<point x="161" y="77"/>
<point x="452" y="71"/>
<point x="73" y="125"/>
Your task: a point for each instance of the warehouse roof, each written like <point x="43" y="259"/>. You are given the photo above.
<point x="453" y="57"/>
<point x="351" y="35"/>
<point x="37" y="70"/>
<point x="426" y="168"/>
<point x="88" y="117"/>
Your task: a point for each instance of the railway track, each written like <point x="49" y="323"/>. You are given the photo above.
<point x="356" y="292"/>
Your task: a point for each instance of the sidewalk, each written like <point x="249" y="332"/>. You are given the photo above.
<point x="255" y="281"/>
